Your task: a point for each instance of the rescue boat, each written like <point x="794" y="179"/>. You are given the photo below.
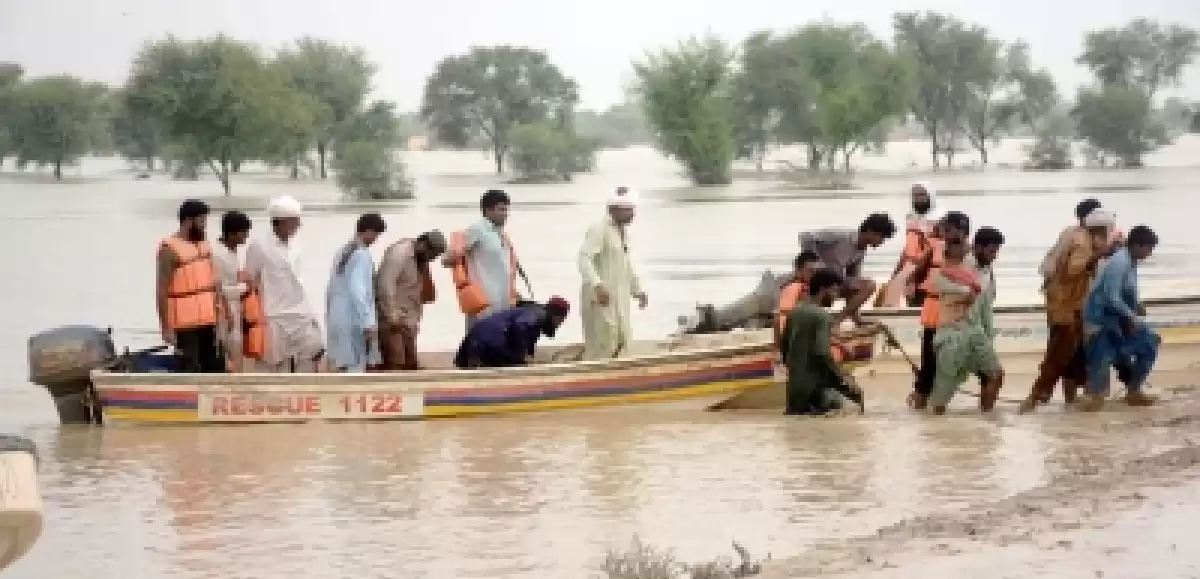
<point x="20" y="503"/>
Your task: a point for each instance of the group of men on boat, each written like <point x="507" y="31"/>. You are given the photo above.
<point x="240" y="305"/>
<point x="1089" y="282"/>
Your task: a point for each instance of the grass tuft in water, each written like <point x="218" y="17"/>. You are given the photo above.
<point x="644" y="562"/>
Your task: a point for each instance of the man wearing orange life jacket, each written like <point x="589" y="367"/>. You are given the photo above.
<point x="483" y="261"/>
<point x="235" y="229"/>
<point x="955" y="227"/>
<point x="796" y="289"/>
<point x="186" y="295"/>
<point x="904" y="289"/>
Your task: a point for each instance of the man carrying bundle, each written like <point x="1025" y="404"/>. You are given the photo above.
<point x="812" y="372"/>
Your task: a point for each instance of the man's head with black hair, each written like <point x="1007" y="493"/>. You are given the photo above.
<point x="956" y="226"/>
<point x="874" y="230"/>
<point x="804" y="266"/>
<point x="1141" y="242"/>
<point x="1083" y="208"/>
<point x="369" y="227"/>
<point x="193" y="219"/>
<point x="494" y="206"/>
<point x="235" y="228"/>
<point x="987" y="244"/>
<point x="825" y="286"/>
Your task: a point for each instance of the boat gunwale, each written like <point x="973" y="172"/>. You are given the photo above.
<point x="998" y="310"/>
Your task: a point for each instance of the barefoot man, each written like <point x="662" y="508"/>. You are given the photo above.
<point x="609" y="280"/>
<point x="904" y="289"/>
<point x="805" y="346"/>
<point x="1113" y="324"/>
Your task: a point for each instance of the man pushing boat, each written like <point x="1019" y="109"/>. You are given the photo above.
<point x="843" y="250"/>
<point x="813" y="375"/>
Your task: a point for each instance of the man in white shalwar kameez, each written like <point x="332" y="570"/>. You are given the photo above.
<point x="294" y="335"/>
<point x="609" y="281"/>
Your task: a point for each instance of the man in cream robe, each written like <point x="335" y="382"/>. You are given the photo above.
<point x="609" y="281"/>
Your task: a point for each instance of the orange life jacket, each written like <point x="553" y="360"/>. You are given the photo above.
<point x="789" y="296"/>
<point x="254" y="330"/>
<point x="471" y="298"/>
<point x="192" y="290"/>
<point x="930" y="308"/>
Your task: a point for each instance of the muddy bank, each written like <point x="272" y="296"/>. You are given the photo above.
<point x="1085" y="491"/>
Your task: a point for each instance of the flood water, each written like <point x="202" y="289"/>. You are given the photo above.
<point x="529" y="496"/>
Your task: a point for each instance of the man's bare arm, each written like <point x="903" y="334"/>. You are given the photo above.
<point x="166" y="269"/>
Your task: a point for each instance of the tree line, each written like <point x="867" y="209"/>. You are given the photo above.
<point x="838" y="89"/>
<point x="835" y="89"/>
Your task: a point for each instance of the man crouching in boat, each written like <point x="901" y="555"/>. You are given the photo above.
<point x="805" y="347"/>
<point x="843" y="250"/>
<point x="962" y="346"/>
<point x="509" y="337"/>
<point x="1115" y="333"/>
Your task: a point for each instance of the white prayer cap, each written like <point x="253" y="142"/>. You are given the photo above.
<point x="623" y="197"/>
<point x="285" y="206"/>
<point x="1100" y="218"/>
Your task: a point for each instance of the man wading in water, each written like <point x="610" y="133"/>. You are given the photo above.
<point x="805" y="347"/>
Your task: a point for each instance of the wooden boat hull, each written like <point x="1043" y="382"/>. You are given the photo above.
<point x="20" y="503"/>
<point x="695" y="377"/>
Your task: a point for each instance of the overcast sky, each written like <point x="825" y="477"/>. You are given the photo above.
<point x="591" y="41"/>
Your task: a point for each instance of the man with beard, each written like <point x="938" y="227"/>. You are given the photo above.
<point x="351" y="326"/>
<point x="509" y="337"/>
<point x="187" y="294"/>
<point x="812" y="372"/>
<point x="293" y="334"/>
<point x="904" y="289"/>
<point x="403" y="286"/>
<point x="609" y="280"/>
<point x="843" y="250"/>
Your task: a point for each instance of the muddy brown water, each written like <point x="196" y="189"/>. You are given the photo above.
<point x="536" y="495"/>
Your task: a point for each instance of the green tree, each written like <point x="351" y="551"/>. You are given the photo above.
<point x="378" y="124"/>
<point x="218" y="101"/>
<point x="1118" y="121"/>
<point x="618" y="127"/>
<point x="337" y="77"/>
<point x="136" y="131"/>
<point x="758" y="96"/>
<point x="483" y="94"/>
<point x="10" y="78"/>
<point x="1005" y="90"/>
<point x="366" y="171"/>
<point x="687" y="95"/>
<point x="546" y="152"/>
<point x="56" y="120"/>
<point x="1053" y="131"/>
<point x="1143" y="53"/>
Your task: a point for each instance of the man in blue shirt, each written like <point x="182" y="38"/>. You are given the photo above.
<point x="1116" y="334"/>
<point x="509" y="337"/>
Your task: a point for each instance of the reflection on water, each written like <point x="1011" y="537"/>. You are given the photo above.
<point x="531" y="496"/>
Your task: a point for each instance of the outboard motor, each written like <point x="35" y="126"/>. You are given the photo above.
<point x="62" y="360"/>
<point x="754" y="310"/>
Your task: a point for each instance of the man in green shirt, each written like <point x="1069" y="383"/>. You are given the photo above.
<point x="813" y="374"/>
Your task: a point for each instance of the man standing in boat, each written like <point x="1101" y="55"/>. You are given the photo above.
<point x="510" y="337"/>
<point x="1066" y="291"/>
<point x="843" y="250"/>
<point x="1115" y="331"/>
<point x="350" y="321"/>
<point x="609" y="280"/>
<point x="483" y="260"/>
<point x="235" y="230"/>
<point x="403" y="286"/>
<point x="813" y="375"/>
<point x="187" y="293"/>
<point x="273" y="265"/>
<point x="904" y="289"/>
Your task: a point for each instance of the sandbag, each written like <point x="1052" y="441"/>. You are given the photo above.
<point x="68" y="354"/>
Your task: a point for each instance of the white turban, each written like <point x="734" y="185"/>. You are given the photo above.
<point x="285" y="206"/>
<point x="623" y="197"/>
<point x="1100" y="218"/>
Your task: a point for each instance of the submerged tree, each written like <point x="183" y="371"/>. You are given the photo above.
<point x="483" y="94"/>
<point x="688" y="98"/>
<point x="56" y="120"/>
<point x="546" y="152"/>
